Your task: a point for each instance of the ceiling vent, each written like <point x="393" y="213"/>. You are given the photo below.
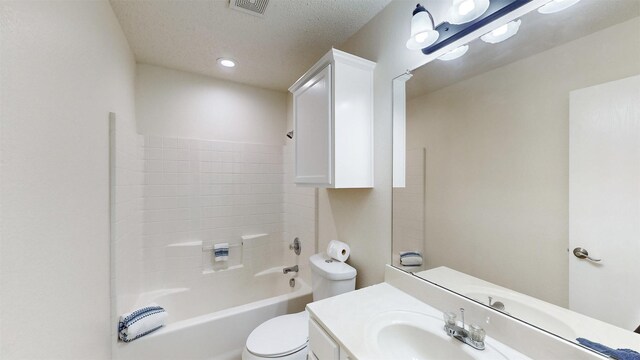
<point x="252" y="7"/>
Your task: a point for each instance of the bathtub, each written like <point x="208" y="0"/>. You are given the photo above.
<point x="202" y="325"/>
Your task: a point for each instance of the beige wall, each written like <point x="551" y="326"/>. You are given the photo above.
<point x="497" y="161"/>
<point x="64" y="67"/>
<point x="180" y="104"/>
<point x="362" y="217"/>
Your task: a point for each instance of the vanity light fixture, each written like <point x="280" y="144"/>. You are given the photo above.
<point x="226" y="62"/>
<point x="455" y="53"/>
<point x="556" y="5"/>
<point x="463" y="11"/>
<point x="502" y="33"/>
<point x="422" y="29"/>
<point x="482" y="13"/>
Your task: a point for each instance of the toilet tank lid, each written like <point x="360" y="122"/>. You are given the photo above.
<point x="331" y="269"/>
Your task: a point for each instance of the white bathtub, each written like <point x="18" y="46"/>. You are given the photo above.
<point x="201" y="325"/>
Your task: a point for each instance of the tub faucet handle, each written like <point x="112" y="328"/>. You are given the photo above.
<point x="296" y="246"/>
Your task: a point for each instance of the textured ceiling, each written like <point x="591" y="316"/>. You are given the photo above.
<point x="537" y="33"/>
<point x="272" y="51"/>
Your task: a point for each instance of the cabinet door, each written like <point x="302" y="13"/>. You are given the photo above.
<point x="321" y="345"/>
<point x="312" y="107"/>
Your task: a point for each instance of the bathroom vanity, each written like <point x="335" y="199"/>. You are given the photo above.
<point x="402" y="318"/>
<point x="555" y="319"/>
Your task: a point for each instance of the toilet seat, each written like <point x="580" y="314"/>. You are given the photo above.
<point x="280" y="336"/>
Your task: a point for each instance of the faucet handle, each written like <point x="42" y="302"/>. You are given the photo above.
<point x="449" y="318"/>
<point x="296" y="246"/>
<point x="476" y="333"/>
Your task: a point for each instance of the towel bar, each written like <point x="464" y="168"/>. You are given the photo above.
<point x="210" y="247"/>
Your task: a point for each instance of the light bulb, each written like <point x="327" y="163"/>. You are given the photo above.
<point x="464" y="11"/>
<point x="421" y="37"/>
<point x="455" y="53"/>
<point x="500" y="31"/>
<point x="466" y="7"/>
<point x="422" y="32"/>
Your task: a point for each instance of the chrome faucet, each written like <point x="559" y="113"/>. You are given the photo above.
<point x="289" y="269"/>
<point x="498" y="305"/>
<point x="473" y="337"/>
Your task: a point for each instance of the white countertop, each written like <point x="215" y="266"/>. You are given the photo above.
<point x="346" y="317"/>
<point x="558" y="320"/>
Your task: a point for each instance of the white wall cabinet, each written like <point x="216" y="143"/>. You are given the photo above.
<point x="333" y="119"/>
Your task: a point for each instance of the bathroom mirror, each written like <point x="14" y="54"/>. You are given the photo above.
<point x="520" y="152"/>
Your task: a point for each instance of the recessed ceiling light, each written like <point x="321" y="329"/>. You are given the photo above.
<point x="226" y="62"/>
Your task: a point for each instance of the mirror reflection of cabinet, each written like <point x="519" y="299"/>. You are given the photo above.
<point x="333" y="116"/>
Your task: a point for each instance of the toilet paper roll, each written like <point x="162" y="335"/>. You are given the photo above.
<point x="338" y="250"/>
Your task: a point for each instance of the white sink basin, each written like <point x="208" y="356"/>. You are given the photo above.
<point x="403" y="341"/>
<point x="412" y="335"/>
<point x="531" y="310"/>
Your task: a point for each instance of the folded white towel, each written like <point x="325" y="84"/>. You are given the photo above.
<point x="410" y="258"/>
<point x="221" y="252"/>
<point x="141" y="322"/>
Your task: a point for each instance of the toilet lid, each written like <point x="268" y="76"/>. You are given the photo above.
<point x="280" y="336"/>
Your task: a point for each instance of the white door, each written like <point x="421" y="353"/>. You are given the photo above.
<point x="604" y="201"/>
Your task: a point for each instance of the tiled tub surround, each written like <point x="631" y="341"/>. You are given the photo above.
<point x="195" y="193"/>
<point x="198" y="193"/>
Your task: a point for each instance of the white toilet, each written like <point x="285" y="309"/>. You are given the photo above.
<point x="286" y="337"/>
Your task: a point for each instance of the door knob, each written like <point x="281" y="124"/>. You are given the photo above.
<point x="581" y="253"/>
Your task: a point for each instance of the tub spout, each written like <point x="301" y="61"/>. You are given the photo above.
<point x="290" y="269"/>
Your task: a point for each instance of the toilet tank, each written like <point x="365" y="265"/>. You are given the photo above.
<point x="330" y="277"/>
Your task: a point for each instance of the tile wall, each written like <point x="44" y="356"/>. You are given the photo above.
<point x="197" y="193"/>
<point x="173" y="199"/>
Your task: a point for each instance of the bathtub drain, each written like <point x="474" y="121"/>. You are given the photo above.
<point x="292" y="282"/>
